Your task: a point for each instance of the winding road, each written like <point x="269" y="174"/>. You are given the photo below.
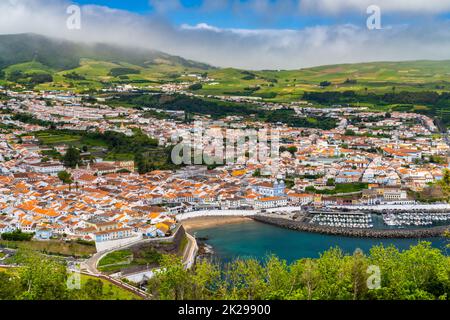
<point x="90" y="265"/>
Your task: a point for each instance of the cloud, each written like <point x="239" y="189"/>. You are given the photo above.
<point x="241" y="48"/>
<point x="303" y="7"/>
<point x="391" y="6"/>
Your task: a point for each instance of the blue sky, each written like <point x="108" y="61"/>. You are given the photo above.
<point x="239" y="14"/>
<point x="274" y="14"/>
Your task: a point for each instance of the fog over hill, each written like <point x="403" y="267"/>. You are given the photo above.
<point x="61" y="54"/>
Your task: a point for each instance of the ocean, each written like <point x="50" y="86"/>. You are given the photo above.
<point x="257" y="240"/>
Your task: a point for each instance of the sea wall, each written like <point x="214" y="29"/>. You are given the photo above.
<point x="432" y="232"/>
<point x="117" y="244"/>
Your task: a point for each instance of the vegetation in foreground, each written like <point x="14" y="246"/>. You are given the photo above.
<point x="44" y="278"/>
<point x="420" y="273"/>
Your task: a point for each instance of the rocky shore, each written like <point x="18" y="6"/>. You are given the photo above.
<point x="433" y="232"/>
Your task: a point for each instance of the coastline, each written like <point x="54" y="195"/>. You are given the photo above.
<point x="210" y="222"/>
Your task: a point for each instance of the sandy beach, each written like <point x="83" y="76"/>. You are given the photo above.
<point x="209" y="222"/>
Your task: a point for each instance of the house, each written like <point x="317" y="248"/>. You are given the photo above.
<point x="113" y="234"/>
<point x="47" y="168"/>
<point x="102" y="225"/>
<point x="4" y="228"/>
<point x="276" y="189"/>
<point x="149" y="231"/>
<point x="43" y="234"/>
<point x="302" y="199"/>
<point x="162" y="230"/>
<point x="270" y="202"/>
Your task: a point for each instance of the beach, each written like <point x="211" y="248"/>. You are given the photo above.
<point x="209" y="222"/>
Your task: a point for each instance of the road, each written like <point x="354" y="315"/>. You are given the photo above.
<point x="91" y="264"/>
<point x="190" y="252"/>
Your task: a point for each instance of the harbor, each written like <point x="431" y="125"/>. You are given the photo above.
<point x="253" y="239"/>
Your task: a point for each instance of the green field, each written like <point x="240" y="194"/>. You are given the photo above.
<point x="111" y="291"/>
<point x="52" y="138"/>
<point x="272" y="85"/>
<point x="341" y="188"/>
<point x="53" y="247"/>
<point x="379" y="77"/>
<point x="118" y="260"/>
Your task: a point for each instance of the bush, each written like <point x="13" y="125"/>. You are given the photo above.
<point x="17" y="235"/>
<point x="196" y="86"/>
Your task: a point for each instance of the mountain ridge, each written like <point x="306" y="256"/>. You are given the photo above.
<point x="60" y="54"/>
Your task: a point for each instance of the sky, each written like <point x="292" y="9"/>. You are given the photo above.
<point x="250" y="34"/>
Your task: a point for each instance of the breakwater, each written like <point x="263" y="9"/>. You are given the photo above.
<point x="432" y="232"/>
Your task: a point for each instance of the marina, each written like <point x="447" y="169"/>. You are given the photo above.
<point x="357" y="220"/>
<point x="416" y="219"/>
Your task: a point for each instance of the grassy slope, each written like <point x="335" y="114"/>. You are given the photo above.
<point x="288" y="85"/>
<point x="377" y="77"/>
<point x="96" y="72"/>
<point x="53" y="247"/>
<point x="111" y="291"/>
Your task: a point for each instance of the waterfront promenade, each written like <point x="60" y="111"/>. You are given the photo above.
<point x="216" y="213"/>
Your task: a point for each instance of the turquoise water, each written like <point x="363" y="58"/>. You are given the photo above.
<point x="257" y="240"/>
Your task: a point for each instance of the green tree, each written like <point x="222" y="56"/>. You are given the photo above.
<point x="72" y="158"/>
<point x="9" y="286"/>
<point x="65" y="177"/>
<point x="42" y="278"/>
<point x="174" y="282"/>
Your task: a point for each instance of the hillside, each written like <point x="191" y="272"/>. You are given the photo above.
<point x="377" y="77"/>
<point x="24" y="55"/>
<point x="63" y="55"/>
<point x="44" y="63"/>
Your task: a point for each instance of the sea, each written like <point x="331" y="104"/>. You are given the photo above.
<point x="257" y="240"/>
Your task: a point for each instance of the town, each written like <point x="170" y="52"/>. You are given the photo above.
<point x="369" y="159"/>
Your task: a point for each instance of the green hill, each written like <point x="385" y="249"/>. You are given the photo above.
<point x="376" y="77"/>
<point x="61" y="64"/>
<point x="63" y="55"/>
<point x="47" y="63"/>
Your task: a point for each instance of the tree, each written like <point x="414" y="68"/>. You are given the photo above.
<point x="65" y="177"/>
<point x="257" y="173"/>
<point x="42" y="278"/>
<point x="9" y="286"/>
<point x="173" y="283"/>
<point x="72" y="158"/>
<point x="196" y="86"/>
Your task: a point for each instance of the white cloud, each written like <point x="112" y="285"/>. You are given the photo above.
<point x="398" y="6"/>
<point x="242" y="48"/>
